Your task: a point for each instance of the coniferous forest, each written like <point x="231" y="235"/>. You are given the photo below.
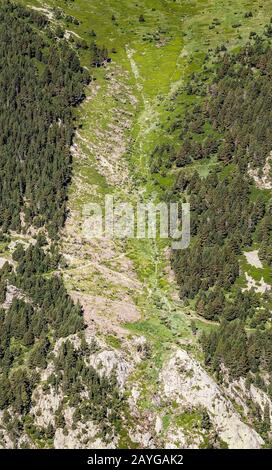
<point x="41" y="82"/>
<point x="230" y="120"/>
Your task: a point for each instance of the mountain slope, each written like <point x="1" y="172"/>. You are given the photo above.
<point x="137" y="330"/>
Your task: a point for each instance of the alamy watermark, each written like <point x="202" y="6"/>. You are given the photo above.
<point x="138" y="220"/>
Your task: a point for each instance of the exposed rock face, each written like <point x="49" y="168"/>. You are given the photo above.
<point x="174" y="437"/>
<point x="6" y="442"/>
<point x="244" y="396"/>
<point x="252" y="258"/>
<point x="84" y="436"/>
<point x="80" y="439"/>
<point x="45" y="406"/>
<point x="184" y="380"/>
<point x="12" y="293"/>
<point x="262" y="179"/>
<point x="258" y="286"/>
<point x="109" y="361"/>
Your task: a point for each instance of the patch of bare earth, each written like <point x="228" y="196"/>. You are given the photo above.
<point x="106" y="315"/>
<point x="99" y="275"/>
<point x="101" y="278"/>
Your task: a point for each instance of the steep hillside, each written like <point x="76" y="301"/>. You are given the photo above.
<point x="107" y="352"/>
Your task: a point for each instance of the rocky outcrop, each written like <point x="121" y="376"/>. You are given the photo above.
<point x="84" y="436"/>
<point x="262" y="177"/>
<point x="185" y="380"/>
<point x="108" y="361"/>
